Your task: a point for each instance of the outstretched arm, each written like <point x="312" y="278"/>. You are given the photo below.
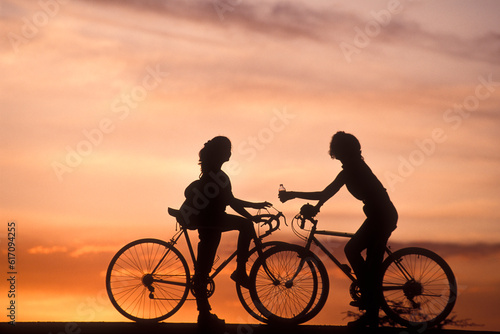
<point x="320" y="196"/>
<point x="310" y="195"/>
<point x="239" y="206"/>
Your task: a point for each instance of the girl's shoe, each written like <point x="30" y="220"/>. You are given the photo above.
<point x="209" y="320"/>
<point x="241" y="278"/>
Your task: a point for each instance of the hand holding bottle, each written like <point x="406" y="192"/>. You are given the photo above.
<point x="284" y="195"/>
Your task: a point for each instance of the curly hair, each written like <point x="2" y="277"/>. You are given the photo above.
<point x="213" y="153"/>
<point x="345" y="145"/>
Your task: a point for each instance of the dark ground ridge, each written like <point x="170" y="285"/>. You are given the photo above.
<point x="192" y="328"/>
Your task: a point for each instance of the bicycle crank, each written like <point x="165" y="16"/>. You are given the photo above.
<point x="210" y="287"/>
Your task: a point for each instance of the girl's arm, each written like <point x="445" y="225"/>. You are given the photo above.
<point x="253" y="205"/>
<point x="320" y="196"/>
<point x="239" y="206"/>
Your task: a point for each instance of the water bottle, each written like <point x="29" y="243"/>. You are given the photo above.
<point x="281" y="191"/>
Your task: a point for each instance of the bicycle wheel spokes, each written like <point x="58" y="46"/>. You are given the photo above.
<point x="286" y="285"/>
<point x="418" y="287"/>
<point x="282" y="295"/>
<point x="147" y="280"/>
<point x="243" y="293"/>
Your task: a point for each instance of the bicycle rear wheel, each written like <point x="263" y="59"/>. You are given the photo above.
<point x="290" y="284"/>
<point x="419" y="288"/>
<point x="147" y="280"/>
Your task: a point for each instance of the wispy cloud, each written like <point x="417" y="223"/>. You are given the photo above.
<point x="463" y="250"/>
<point x="325" y="24"/>
<point x="72" y="251"/>
<point x="287" y="20"/>
<point x="92" y="249"/>
<point x="47" y="250"/>
<point x="411" y="35"/>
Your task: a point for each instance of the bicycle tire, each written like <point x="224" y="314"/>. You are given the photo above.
<point x="283" y="300"/>
<point x="131" y="285"/>
<point x="419" y="288"/>
<point x="244" y="294"/>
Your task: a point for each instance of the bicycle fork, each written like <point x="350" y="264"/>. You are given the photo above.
<point x="277" y="280"/>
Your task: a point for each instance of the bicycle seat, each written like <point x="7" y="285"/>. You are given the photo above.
<point x="174" y="213"/>
<point x="178" y="216"/>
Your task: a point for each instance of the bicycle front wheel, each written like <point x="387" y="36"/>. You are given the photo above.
<point x="244" y="294"/>
<point x="147" y="280"/>
<point x="419" y="288"/>
<point x="289" y="284"/>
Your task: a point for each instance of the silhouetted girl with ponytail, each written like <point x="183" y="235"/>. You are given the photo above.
<point x="205" y="210"/>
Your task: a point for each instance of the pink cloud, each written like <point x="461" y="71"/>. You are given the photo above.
<point x="47" y="250"/>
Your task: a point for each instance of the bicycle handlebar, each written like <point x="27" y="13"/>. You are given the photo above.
<point x="269" y="219"/>
<point x="307" y="212"/>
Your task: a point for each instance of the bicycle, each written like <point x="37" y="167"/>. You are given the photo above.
<point x="148" y="280"/>
<point x="419" y="287"/>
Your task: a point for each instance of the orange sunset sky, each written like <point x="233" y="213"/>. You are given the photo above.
<point x="105" y="105"/>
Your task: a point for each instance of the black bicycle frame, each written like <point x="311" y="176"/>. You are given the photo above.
<point x="183" y="231"/>
<point x="344" y="267"/>
<point x="312" y="238"/>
